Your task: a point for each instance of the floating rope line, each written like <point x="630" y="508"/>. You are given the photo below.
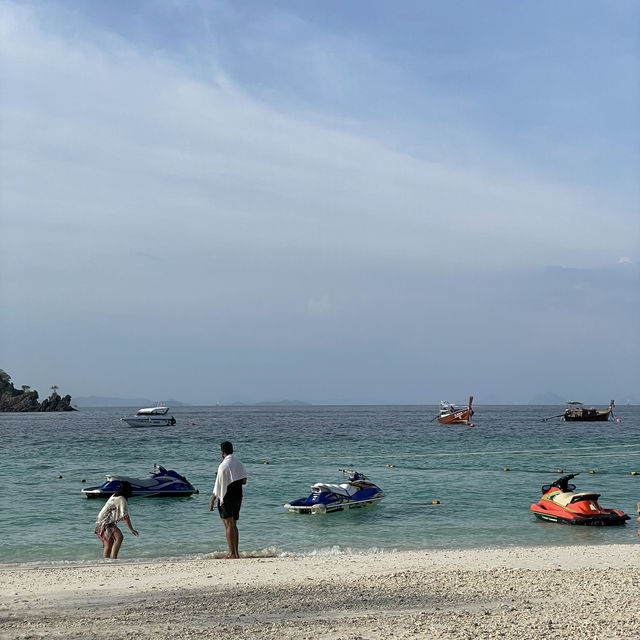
<point x="477" y="453"/>
<point x="600" y="455"/>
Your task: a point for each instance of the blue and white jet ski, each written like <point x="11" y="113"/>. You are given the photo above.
<point x="356" y="492"/>
<point x="162" y="483"/>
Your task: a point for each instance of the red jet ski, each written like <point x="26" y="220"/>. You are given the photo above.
<point x="560" y="504"/>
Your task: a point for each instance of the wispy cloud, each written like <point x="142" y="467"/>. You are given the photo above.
<point x="130" y="168"/>
<point x="114" y="135"/>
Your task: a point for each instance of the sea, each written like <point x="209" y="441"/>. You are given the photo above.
<point x="446" y="487"/>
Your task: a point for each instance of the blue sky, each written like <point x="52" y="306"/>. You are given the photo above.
<point x="333" y="202"/>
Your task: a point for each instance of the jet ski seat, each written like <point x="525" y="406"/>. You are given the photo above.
<point x="344" y="489"/>
<point x="139" y="482"/>
<point x="565" y="499"/>
<point x="585" y="495"/>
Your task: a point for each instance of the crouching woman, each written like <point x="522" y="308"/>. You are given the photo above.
<point x="115" y="510"/>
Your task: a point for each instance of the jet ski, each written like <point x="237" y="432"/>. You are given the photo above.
<point x="560" y="504"/>
<point x="356" y="492"/>
<point x="163" y="483"/>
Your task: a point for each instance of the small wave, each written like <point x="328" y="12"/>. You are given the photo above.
<point x="335" y="550"/>
<point x="261" y="553"/>
<point x="272" y="552"/>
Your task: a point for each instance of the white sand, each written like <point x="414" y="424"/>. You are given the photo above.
<point x="574" y="593"/>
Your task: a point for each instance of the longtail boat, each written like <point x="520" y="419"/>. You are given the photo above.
<point x="575" y="412"/>
<point x="450" y="414"/>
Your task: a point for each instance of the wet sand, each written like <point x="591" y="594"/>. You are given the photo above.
<point x="574" y="592"/>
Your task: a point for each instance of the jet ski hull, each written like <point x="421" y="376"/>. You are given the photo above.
<point x="161" y="484"/>
<point x="99" y="492"/>
<point x="305" y="505"/>
<point x="356" y="493"/>
<point x="611" y="517"/>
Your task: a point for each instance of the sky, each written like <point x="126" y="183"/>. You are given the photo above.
<point x="331" y="202"/>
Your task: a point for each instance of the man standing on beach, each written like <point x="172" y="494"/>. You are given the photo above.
<point x="228" y="489"/>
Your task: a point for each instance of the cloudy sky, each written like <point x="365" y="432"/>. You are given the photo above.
<point x="335" y="202"/>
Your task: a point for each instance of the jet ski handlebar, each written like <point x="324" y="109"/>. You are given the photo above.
<point x="568" y="477"/>
<point x="353" y="474"/>
<point x="563" y="483"/>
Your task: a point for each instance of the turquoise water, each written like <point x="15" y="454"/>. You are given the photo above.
<point x="47" y="519"/>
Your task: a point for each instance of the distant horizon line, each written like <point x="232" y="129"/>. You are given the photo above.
<point x="301" y="404"/>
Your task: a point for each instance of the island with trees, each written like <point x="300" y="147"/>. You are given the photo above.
<point x="25" y="399"/>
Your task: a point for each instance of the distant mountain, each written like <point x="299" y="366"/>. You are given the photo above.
<point x="547" y="398"/>
<point x="102" y="401"/>
<point x="277" y="403"/>
<point x="283" y="403"/>
<point x="550" y="398"/>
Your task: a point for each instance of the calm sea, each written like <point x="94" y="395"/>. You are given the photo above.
<point x="285" y="450"/>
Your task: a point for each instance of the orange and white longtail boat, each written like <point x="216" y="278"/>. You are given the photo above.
<point x="450" y="414"/>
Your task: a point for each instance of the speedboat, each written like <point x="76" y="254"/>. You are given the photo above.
<point x="150" y="417"/>
<point x="560" y="504"/>
<point x="356" y="492"/>
<point x="163" y="483"/>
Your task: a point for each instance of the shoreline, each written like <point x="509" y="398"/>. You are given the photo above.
<point x="587" y="591"/>
<point x="513" y="551"/>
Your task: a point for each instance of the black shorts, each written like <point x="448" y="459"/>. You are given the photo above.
<point x="229" y="509"/>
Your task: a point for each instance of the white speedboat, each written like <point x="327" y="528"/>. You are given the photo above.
<point x="150" y="417"/>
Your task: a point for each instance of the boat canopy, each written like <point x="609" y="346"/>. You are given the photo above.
<point x="152" y="411"/>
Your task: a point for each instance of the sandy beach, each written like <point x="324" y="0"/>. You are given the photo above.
<point x="576" y="592"/>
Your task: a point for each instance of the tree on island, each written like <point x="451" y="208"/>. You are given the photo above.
<point x="24" y="399"/>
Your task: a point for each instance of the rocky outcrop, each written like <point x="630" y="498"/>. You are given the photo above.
<point x="22" y="400"/>
<point x="56" y="403"/>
